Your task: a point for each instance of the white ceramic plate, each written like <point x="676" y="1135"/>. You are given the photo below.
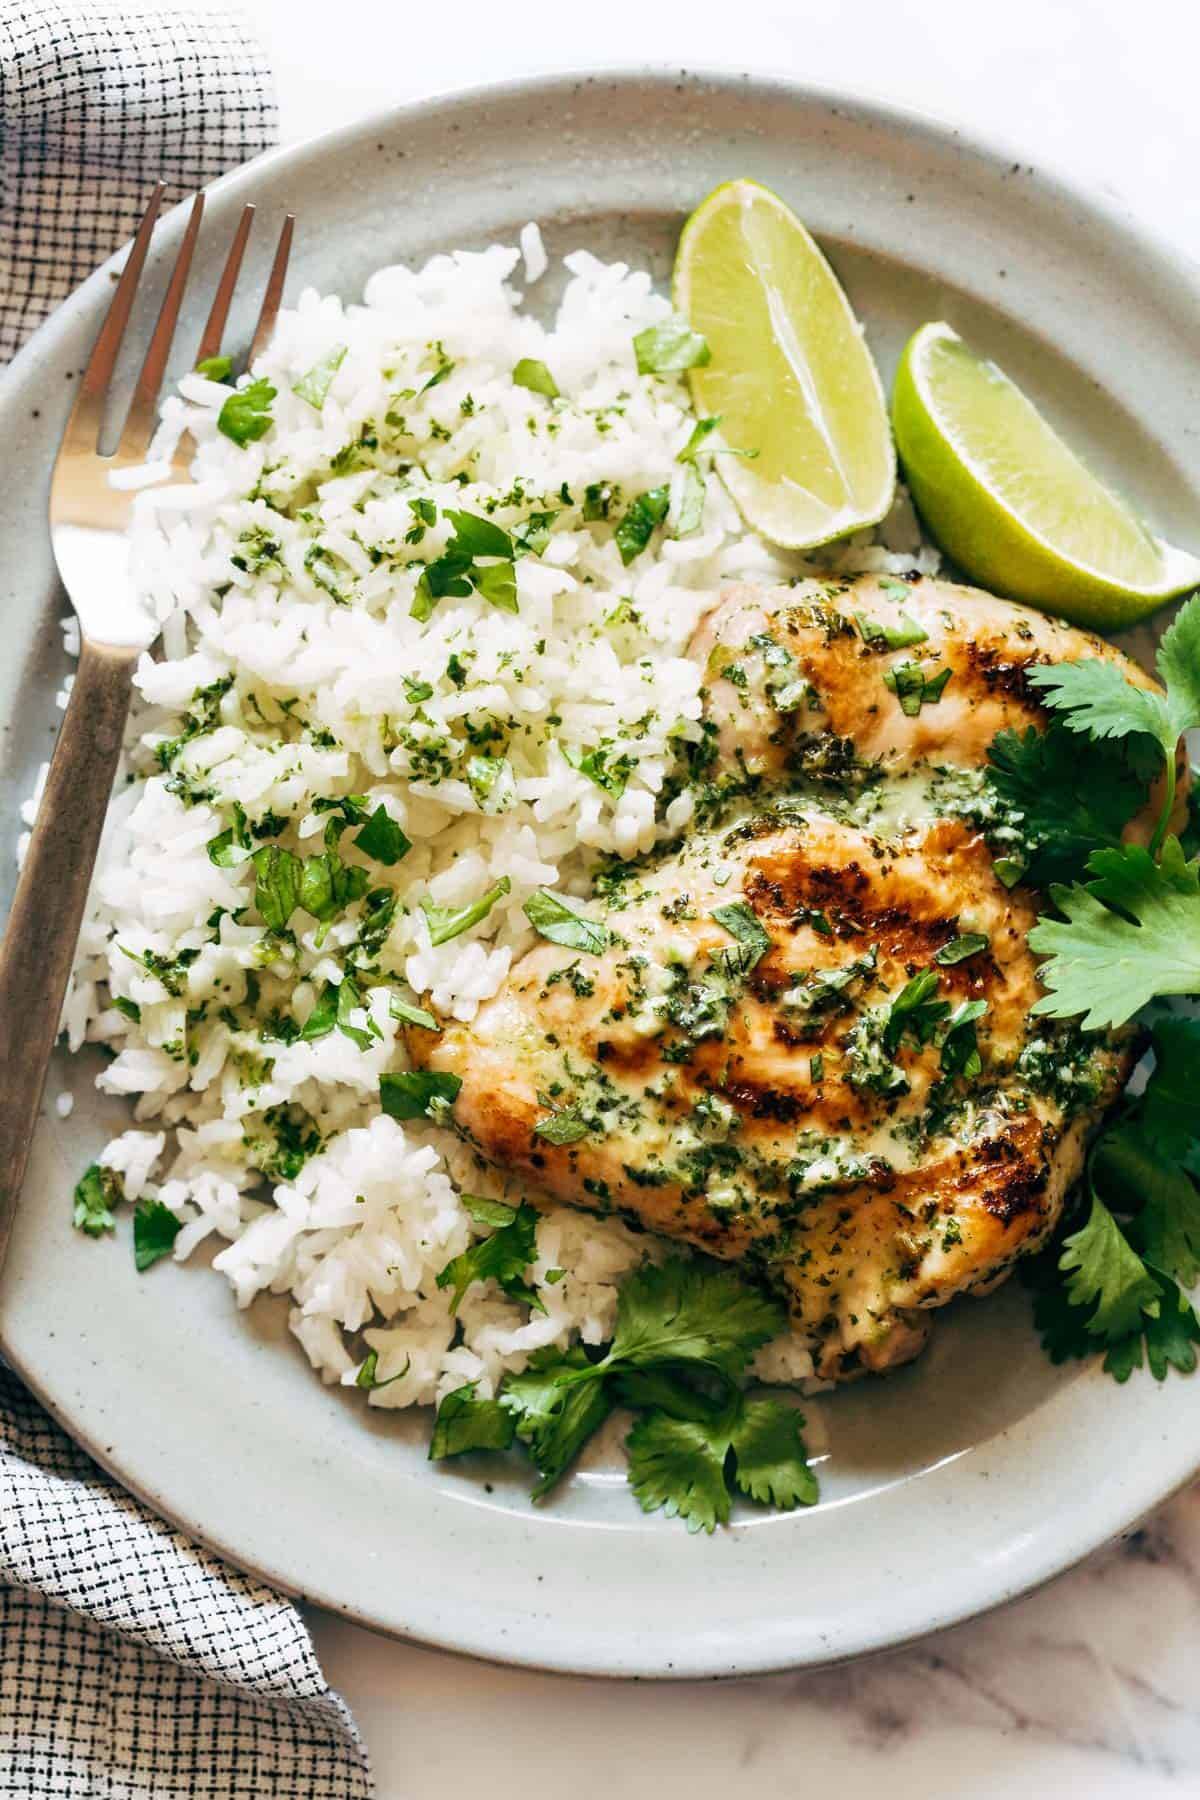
<point x="947" y="1488"/>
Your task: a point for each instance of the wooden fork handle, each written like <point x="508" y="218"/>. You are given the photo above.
<point x="39" y="943"/>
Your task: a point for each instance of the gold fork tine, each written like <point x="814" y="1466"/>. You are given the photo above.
<point x="139" y="426"/>
<point x="214" y="330"/>
<point x="83" y="427"/>
<point x="274" y="293"/>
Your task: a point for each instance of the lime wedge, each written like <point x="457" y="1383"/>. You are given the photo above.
<point x="790" y="376"/>
<point x="1011" y="503"/>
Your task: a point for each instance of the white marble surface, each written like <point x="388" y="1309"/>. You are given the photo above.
<point x="1091" y="1686"/>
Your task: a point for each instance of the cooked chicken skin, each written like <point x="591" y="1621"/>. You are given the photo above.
<point x="732" y="1070"/>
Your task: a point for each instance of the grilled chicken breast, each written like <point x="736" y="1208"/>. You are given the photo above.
<point x="809" y="1042"/>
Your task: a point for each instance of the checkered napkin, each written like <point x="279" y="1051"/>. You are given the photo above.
<point x="133" y="1665"/>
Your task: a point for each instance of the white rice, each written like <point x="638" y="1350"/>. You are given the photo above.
<point x="359" y="1233"/>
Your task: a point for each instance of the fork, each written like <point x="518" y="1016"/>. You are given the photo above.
<point x="89" y="518"/>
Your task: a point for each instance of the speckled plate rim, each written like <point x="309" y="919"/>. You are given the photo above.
<point x="757" y="1597"/>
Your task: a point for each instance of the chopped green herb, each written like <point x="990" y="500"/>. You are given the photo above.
<point x="690" y="512"/>
<point x="323" y="1017"/>
<point x="367" y="1377"/>
<point x="753" y="940"/>
<point x="446" y="922"/>
<point x="412" y="1015"/>
<point x="215" y="368"/>
<point x="913" y="688"/>
<point x="382" y="839"/>
<point x="314" y="387"/>
<point x="246" y="415"/>
<point x="465" y="1422"/>
<point x="534" y="375"/>
<point x="97" y="1193"/>
<point x="890" y="637"/>
<point x="555" y="920"/>
<point x="565" y="1125"/>
<point x="669" y="348"/>
<point x="418" y="1093"/>
<point x="503" y="1257"/>
<point x="636" y="529"/>
<point x="233" y="845"/>
<point x="960" y="948"/>
<point x="155" y="1229"/>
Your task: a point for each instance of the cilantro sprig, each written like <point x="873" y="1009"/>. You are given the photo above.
<point x="1094" y="698"/>
<point x="1139" y="1247"/>
<point x="685" y="1332"/>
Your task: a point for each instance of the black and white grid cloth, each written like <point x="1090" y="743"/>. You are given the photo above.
<point x="98" y="99"/>
<point x="133" y="1664"/>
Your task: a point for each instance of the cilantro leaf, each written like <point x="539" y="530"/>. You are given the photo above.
<point x="323" y="1017"/>
<point x="565" y="1125"/>
<point x="491" y="781"/>
<point x="349" y="1000"/>
<point x="557" y="1403"/>
<point x="1127" y="1168"/>
<point x="215" y="368"/>
<point x="959" y="949"/>
<point x="689" y="512"/>
<point x="412" y="1015"/>
<point x="913" y="688"/>
<point x="465" y="1422"/>
<point x="960" y="1042"/>
<point x="1095" y="699"/>
<point x="277" y="885"/>
<point x="1066" y="806"/>
<point x="1178" y="664"/>
<point x="753" y="939"/>
<point x="232" y="846"/>
<point x="771" y="1463"/>
<point x="417" y="1093"/>
<point x="477" y="536"/>
<point x="1098" y="700"/>
<point x="638" y="526"/>
<point x="878" y="636"/>
<point x="446" y="922"/>
<point x="497" y="583"/>
<point x="670" y="347"/>
<point x="534" y="375"/>
<point x="382" y="839"/>
<point x="367" y="1377"/>
<point x="687" y="1312"/>
<point x="680" y="1452"/>
<point x="246" y="415"/>
<point x="561" y="924"/>
<point x="155" y="1229"/>
<point x="98" y="1191"/>
<point x="608" y="772"/>
<point x="916" y="1012"/>
<point x="676" y="1466"/>
<point x="701" y="432"/>
<point x="328" y="885"/>
<point x="314" y="387"/>
<point x="1169" y="1112"/>
<point x="1106" y="964"/>
<point x="1106" y="1275"/>
<point x="1167" y="1337"/>
<point x="1170" y="1335"/>
<point x="502" y="1258"/>
<point x="697" y="444"/>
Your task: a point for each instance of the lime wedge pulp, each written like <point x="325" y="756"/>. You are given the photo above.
<point x="790" y="376"/>
<point x="1012" y="503"/>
